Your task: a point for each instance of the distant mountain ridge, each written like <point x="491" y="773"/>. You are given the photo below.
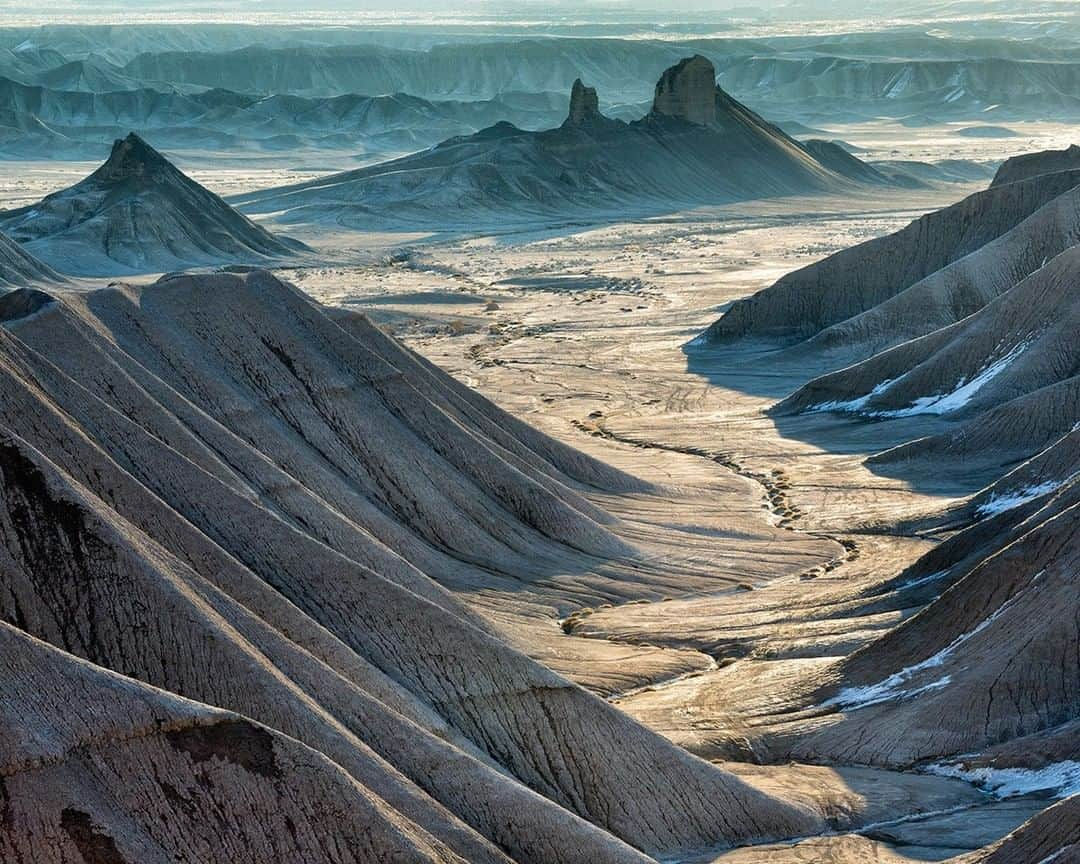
<point x="826" y="76"/>
<point x="697" y="145"/>
<point x="75" y="124"/>
<point x="912" y="77"/>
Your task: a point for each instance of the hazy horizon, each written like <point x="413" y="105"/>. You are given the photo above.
<point x="622" y="16"/>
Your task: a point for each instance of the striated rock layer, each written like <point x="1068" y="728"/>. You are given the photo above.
<point x="213" y="488"/>
<point x="138" y="214"/>
<point x="1051" y="836"/>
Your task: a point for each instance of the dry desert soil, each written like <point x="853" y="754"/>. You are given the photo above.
<point x="769" y="526"/>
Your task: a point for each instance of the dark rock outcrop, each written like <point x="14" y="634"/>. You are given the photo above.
<point x="584" y="105"/>
<point x="687" y="91"/>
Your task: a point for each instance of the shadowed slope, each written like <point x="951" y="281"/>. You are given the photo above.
<point x="855" y="280"/>
<point x="1015" y="346"/>
<point x="976" y="674"/>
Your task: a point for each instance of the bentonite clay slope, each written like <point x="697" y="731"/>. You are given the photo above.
<point x="857" y="279"/>
<point x="1034" y="164"/>
<point x="266" y="563"/>
<point x="138" y="213"/>
<point x="99" y="768"/>
<point x="998" y="438"/>
<point x="679" y="154"/>
<point x="18" y="268"/>
<point x="1021" y="343"/>
<point x="959" y="289"/>
<point x="999" y="645"/>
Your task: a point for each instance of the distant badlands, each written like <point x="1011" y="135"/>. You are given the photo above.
<point x="274" y="587"/>
<point x="316" y="90"/>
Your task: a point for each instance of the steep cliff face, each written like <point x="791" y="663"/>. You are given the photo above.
<point x="584" y="104"/>
<point x="687" y="91"/>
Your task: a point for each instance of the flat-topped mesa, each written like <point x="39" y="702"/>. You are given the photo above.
<point x="584" y="105"/>
<point x="687" y="91"/>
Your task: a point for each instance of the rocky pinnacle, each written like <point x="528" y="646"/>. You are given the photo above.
<point x="584" y="104"/>
<point x="688" y="91"/>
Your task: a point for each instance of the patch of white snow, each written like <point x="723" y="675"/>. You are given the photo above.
<point x="1001" y="503"/>
<point x="942" y="403"/>
<point x="896" y="685"/>
<point x="946" y="403"/>
<point x="852" y="406"/>
<point x="1060" y="779"/>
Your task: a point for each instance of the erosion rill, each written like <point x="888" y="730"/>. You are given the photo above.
<point x="403" y="459"/>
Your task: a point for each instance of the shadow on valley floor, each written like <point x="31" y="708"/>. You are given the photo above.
<point x="764" y="371"/>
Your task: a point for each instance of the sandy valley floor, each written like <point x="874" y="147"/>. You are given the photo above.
<point x="581" y="332"/>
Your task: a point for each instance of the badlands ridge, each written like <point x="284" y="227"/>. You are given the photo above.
<point x="274" y="586"/>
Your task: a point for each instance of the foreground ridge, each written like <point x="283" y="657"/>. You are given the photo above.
<point x="197" y="562"/>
